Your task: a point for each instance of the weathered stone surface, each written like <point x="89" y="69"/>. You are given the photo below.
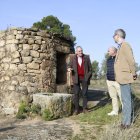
<point x="36" y="47"/>
<point x="22" y="67"/>
<point x="11" y="88"/>
<point x="38" y="37"/>
<point x="25" y="52"/>
<point x="19" y="36"/>
<point x="27" y="59"/>
<point x="28" y="63"/>
<point x="38" y="41"/>
<point x="11" y="47"/>
<point x="15" y="54"/>
<point x="9" y="110"/>
<point x="31" y="89"/>
<point x="34" y="71"/>
<point x="2" y="43"/>
<point x="59" y="104"/>
<point x="7" y="78"/>
<point x="2" y="54"/>
<point x="33" y="66"/>
<point x="15" y="32"/>
<point x="43" y="33"/>
<point x="12" y="41"/>
<point x="34" y="53"/>
<point x="30" y="41"/>
<point x="6" y="60"/>
<point x="9" y="37"/>
<point x="26" y="47"/>
<point x="44" y="56"/>
<point x="13" y="66"/>
<point x="17" y="60"/>
<point x="14" y="82"/>
<point x="6" y="66"/>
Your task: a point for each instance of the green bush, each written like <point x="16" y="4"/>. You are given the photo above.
<point x="36" y="109"/>
<point x="22" y="111"/>
<point x="47" y="115"/>
<point x="25" y="110"/>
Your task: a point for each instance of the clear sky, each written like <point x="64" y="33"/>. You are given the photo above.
<point x="92" y="21"/>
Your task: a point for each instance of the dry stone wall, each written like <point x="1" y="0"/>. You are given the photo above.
<point x="28" y="65"/>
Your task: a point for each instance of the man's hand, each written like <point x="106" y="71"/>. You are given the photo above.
<point x="135" y="76"/>
<point x="69" y="69"/>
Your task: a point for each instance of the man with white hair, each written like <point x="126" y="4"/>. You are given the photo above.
<point x="113" y="85"/>
<point x="81" y="69"/>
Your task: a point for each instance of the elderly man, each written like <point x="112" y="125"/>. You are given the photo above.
<point x="125" y="72"/>
<point x="81" y="69"/>
<point x="113" y="85"/>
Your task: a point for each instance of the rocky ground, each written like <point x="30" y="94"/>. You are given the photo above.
<point x="38" y="129"/>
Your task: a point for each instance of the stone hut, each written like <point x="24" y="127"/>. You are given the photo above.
<point x="31" y="61"/>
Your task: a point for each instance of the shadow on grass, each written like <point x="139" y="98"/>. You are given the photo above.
<point x="101" y="98"/>
<point x="6" y="128"/>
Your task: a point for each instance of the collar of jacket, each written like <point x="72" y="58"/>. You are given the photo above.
<point x="84" y="57"/>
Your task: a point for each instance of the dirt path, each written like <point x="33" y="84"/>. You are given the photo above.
<point x="37" y="129"/>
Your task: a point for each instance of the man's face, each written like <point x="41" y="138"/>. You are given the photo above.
<point x="111" y="52"/>
<point x="79" y="52"/>
<point x="116" y="37"/>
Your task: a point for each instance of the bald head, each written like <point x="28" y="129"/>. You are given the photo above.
<point x="112" y="51"/>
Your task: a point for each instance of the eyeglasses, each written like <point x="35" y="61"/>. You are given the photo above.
<point x="114" y="35"/>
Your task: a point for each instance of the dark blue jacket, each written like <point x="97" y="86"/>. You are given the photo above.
<point x="110" y="68"/>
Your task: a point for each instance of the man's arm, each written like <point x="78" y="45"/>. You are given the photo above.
<point x="89" y="68"/>
<point x="70" y="62"/>
<point x="131" y="62"/>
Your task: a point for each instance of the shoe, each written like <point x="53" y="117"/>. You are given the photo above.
<point x="112" y="113"/>
<point x="85" y="111"/>
<point x="122" y="126"/>
<point x="76" y="112"/>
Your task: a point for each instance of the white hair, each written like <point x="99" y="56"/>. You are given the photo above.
<point x="79" y="47"/>
<point x="114" y="48"/>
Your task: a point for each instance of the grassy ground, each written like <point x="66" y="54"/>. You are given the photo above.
<point x="103" y="127"/>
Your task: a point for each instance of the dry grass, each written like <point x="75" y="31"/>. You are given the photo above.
<point x="113" y="132"/>
<point x="109" y="128"/>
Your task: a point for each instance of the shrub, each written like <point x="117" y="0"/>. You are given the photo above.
<point x="22" y="111"/>
<point x="25" y="110"/>
<point x="47" y="115"/>
<point x="36" y="109"/>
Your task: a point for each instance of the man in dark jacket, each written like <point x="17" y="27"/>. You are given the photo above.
<point x="113" y="86"/>
<point x="81" y="69"/>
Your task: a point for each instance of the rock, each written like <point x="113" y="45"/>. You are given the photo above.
<point x="8" y="111"/>
<point x="59" y="104"/>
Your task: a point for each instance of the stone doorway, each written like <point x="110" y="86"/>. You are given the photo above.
<point x="61" y="69"/>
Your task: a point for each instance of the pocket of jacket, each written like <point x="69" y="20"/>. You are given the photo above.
<point x="125" y="70"/>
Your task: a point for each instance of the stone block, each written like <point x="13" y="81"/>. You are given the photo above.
<point x="59" y="104"/>
<point x="27" y="59"/>
<point x="34" y="53"/>
<point x="33" y="66"/>
<point x="8" y="110"/>
<point x="2" y="43"/>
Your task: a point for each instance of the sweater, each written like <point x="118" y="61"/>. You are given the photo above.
<point x="110" y="68"/>
<point x="80" y="69"/>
